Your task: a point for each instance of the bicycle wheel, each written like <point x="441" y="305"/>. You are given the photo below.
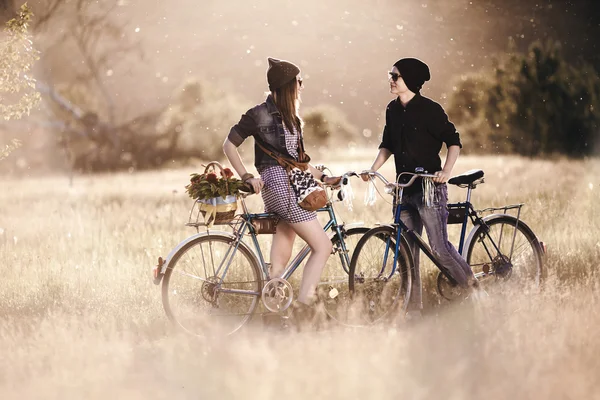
<point x="496" y="254"/>
<point x="211" y="285"/>
<point x="333" y="289"/>
<point x="375" y="288"/>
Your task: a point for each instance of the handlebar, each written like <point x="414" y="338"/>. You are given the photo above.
<point x="393" y="185"/>
<point x="347" y="175"/>
<point x="247" y="189"/>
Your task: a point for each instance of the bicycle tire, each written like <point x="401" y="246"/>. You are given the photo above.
<point x="376" y="293"/>
<point x="183" y="299"/>
<point x="527" y="254"/>
<point x="333" y="291"/>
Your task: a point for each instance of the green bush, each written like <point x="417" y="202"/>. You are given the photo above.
<point x="532" y="104"/>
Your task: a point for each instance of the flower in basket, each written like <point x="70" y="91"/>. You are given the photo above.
<point x="212" y="178"/>
<point x="226" y="173"/>
<point x="209" y="185"/>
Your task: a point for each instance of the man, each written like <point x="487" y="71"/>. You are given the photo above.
<point x="415" y="129"/>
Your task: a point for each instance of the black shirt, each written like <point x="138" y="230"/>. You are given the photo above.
<point x="414" y="134"/>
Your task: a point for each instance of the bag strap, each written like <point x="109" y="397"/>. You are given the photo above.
<point x="281" y="159"/>
<point x="301" y="153"/>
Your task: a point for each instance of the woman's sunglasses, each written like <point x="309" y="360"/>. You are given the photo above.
<point x="394" y="76"/>
<point x="299" y="82"/>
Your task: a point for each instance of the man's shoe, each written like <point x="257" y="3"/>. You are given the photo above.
<point x="478" y="295"/>
<point x="412" y="316"/>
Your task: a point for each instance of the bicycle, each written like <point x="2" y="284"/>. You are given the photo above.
<point x="500" y="246"/>
<point x="216" y="273"/>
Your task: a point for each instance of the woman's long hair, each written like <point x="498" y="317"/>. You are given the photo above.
<point x="287" y="102"/>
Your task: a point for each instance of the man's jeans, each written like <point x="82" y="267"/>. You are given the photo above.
<point x="416" y="215"/>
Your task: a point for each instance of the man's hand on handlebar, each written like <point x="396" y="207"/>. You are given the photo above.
<point x="441" y="176"/>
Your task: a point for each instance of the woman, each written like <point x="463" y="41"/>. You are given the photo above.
<point x="275" y="124"/>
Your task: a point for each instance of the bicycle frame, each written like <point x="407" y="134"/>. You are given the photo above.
<point x="401" y="226"/>
<point x="247" y="228"/>
<point x="470" y="213"/>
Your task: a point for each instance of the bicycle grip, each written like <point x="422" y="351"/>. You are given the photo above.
<point x="246" y="188"/>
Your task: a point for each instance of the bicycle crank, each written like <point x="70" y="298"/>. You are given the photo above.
<point x="447" y="289"/>
<point x="277" y="295"/>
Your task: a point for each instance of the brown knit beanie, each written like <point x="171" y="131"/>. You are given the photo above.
<point x="280" y="72"/>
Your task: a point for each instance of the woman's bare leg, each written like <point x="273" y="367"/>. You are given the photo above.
<point x="281" y="248"/>
<point x="312" y="233"/>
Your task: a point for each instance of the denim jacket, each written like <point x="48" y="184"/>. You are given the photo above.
<point x="265" y="121"/>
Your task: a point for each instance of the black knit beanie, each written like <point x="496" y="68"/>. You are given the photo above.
<point x="280" y="72"/>
<point x="414" y="72"/>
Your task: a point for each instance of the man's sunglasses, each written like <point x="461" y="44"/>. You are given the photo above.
<point x="394" y="76"/>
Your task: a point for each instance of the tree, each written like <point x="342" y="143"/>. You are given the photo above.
<point x="93" y="127"/>
<point x="327" y="125"/>
<point x="532" y="104"/>
<point x="18" y="95"/>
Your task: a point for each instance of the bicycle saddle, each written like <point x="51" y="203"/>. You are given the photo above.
<point x="467" y="178"/>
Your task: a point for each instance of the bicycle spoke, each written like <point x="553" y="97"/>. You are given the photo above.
<point x="190" y="275"/>
<point x="507" y="252"/>
<point x="377" y="285"/>
<point x="192" y="290"/>
<point x="333" y="288"/>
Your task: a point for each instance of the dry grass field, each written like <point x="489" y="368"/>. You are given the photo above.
<point x="81" y="319"/>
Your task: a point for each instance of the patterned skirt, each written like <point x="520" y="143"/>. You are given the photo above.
<point x="279" y="197"/>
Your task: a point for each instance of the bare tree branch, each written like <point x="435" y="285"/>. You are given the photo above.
<point x="43" y="17"/>
<point x="65" y="104"/>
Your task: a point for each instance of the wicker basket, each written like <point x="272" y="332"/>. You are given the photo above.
<point x="218" y="211"/>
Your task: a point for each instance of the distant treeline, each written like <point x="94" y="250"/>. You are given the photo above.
<point x="535" y="104"/>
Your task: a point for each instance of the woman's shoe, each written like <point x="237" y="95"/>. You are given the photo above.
<point x="302" y="315"/>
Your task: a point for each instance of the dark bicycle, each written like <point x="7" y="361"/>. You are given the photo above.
<point x="500" y="247"/>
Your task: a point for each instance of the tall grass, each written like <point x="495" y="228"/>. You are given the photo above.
<point x="80" y="318"/>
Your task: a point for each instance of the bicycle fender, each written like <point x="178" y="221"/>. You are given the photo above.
<point x="486" y="219"/>
<point x="194" y="237"/>
<point x="358" y="224"/>
<point x="388" y="225"/>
